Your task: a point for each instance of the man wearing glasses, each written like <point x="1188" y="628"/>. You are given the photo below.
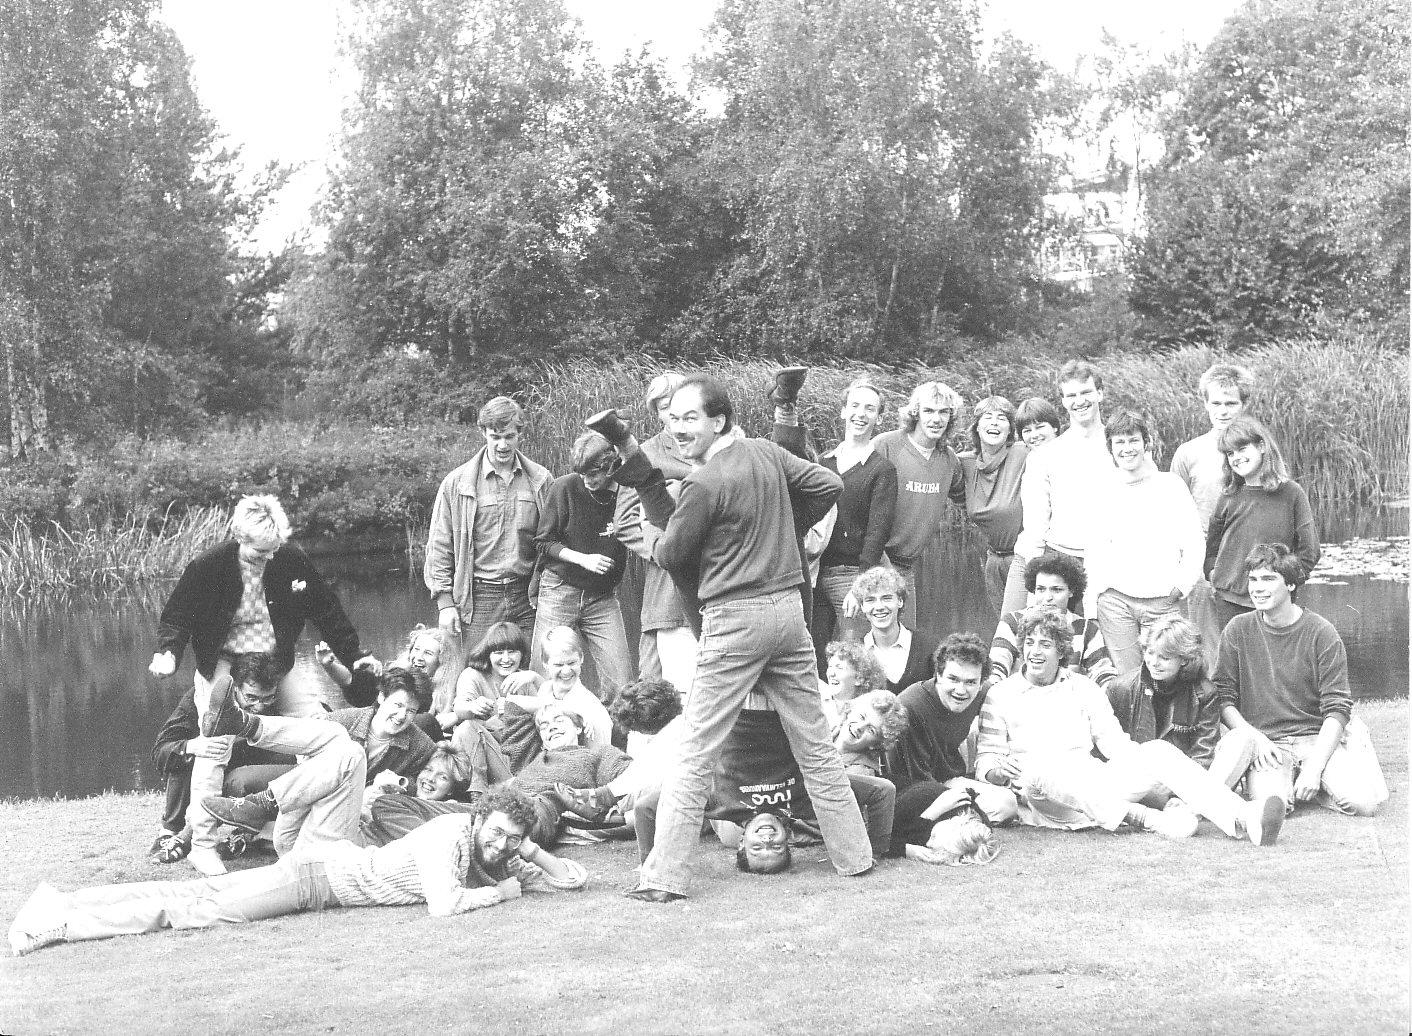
<point x="928" y="474"/>
<point x="454" y="864"/>
<point x="581" y="559"/>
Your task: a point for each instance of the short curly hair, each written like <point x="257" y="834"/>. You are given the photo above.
<point x="879" y="579"/>
<point x="966" y="648"/>
<point x="515" y="804"/>
<point x="1052" y="623"/>
<point x="867" y="673"/>
<point x="646" y="706"/>
<point x="1061" y="565"/>
<point x="892" y="711"/>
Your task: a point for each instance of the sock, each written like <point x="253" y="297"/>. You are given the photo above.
<point x="265" y="799"/>
<point x="788" y="415"/>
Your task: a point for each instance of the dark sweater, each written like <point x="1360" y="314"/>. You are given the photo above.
<point x="1285" y="682"/>
<point x="757" y="770"/>
<point x="930" y="747"/>
<point x="919" y="663"/>
<point x="1184" y="715"/>
<point x="204" y="602"/>
<point x="1249" y="515"/>
<point x="734" y="522"/>
<point x="575" y="518"/>
<point x="865" y="510"/>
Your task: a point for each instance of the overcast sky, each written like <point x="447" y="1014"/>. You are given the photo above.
<point x="268" y="70"/>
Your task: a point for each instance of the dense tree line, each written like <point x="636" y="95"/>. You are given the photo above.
<point x="842" y="179"/>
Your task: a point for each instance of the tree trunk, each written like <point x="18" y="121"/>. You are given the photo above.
<point x="29" y="417"/>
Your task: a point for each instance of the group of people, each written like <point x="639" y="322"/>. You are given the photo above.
<point x="1150" y="667"/>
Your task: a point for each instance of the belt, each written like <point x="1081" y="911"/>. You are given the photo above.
<point x="507" y="581"/>
<point x="1003" y="553"/>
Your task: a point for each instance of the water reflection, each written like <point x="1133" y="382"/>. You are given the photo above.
<point x="78" y="711"/>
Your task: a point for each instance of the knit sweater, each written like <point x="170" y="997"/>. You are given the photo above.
<point x="930" y="748"/>
<point x="434" y="864"/>
<point x="582" y="766"/>
<point x="865" y="512"/>
<point x="575" y="518"/>
<point x="1145" y="540"/>
<point x="924" y="484"/>
<point x="1247" y="515"/>
<point x="993" y="495"/>
<point x="734" y="521"/>
<point x="1284" y="681"/>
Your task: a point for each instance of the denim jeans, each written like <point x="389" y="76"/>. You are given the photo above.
<point x="497" y="602"/>
<point x="1122" y="618"/>
<point x="598" y="620"/>
<point x="1352" y="781"/>
<point x="828" y="621"/>
<point x="754" y="643"/>
<point x="286" y="887"/>
<point x="320" y="799"/>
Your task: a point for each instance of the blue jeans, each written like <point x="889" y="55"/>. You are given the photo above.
<point x="287" y="887"/>
<point x="755" y="643"/>
<point x="497" y="602"/>
<point x="598" y="620"/>
<point x="829" y="623"/>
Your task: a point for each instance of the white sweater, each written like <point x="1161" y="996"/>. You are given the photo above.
<point x="1147" y="539"/>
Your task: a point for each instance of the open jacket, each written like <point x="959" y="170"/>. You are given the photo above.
<point x="204" y="602"/>
<point x="1187" y="717"/>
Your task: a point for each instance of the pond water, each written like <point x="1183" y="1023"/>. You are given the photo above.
<point x="79" y="712"/>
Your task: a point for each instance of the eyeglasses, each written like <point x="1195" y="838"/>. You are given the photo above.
<point x="497" y="834"/>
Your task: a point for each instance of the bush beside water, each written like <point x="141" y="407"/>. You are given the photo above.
<point x="1339" y="411"/>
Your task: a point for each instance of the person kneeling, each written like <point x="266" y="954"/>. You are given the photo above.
<point x="454" y="864"/>
<point x="1038" y="730"/>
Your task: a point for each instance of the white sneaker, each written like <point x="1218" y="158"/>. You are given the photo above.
<point x="1181" y="817"/>
<point x="205" y="859"/>
<point x="1264" y="820"/>
<point x="1177" y="823"/>
<point x="40" y="921"/>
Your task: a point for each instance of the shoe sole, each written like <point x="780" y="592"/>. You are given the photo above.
<point x="1272" y="818"/>
<point x="231" y="822"/>
<point x="222" y="699"/>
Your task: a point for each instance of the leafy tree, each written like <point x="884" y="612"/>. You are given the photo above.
<point x="1283" y="203"/>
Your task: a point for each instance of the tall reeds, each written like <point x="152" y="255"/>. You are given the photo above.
<point x="139" y="549"/>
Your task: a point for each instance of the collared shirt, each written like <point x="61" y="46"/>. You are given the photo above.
<point x="505" y="508"/>
<point x="893" y="659"/>
<point x="723" y="441"/>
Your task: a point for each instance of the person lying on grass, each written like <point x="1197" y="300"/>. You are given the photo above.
<point x="1038" y="732"/>
<point x="321" y="798"/>
<point x="869" y="727"/>
<point x="247" y="769"/>
<point x="948" y="828"/>
<point x="1282" y="688"/>
<point x="454" y="864"/>
<point x="757" y="803"/>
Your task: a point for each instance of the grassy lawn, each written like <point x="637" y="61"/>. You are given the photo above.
<point x="1086" y="932"/>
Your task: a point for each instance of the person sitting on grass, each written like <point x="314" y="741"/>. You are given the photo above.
<point x="852" y="671"/>
<point x="1169" y="697"/>
<point x="247" y="769"/>
<point x="455" y="864"/>
<point x="1054" y="581"/>
<point x="1282" y="688"/>
<point x="1038" y="732"/>
<point x="352" y="744"/>
<point x="497" y="665"/>
<point x="563" y="659"/>
<point x="903" y="656"/>
<point x="867" y="731"/>
<point x="942" y="711"/>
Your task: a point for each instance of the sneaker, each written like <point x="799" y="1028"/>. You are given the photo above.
<point x="250" y="813"/>
<point x="205" y="860"/>
<point x="40" y="922"/>
<point x="168" y="847"/>
<point x="1160" y="821"/>
<point x="1263" y="822"/>
<point x="224" y="716"/>
<point x="788" y="382"/>
<point x="1181" y="817"/>
<point x="609" y="424"/>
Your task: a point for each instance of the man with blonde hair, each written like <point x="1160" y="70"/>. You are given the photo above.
<point x="928" y="474"/>
<point x="252" y="593"/>
<point x="480" y="545"/>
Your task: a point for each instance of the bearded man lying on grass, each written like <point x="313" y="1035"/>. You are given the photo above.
<point x="454" y="864"/>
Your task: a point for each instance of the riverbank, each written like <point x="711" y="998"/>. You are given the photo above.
<point x="1064" y="932"/>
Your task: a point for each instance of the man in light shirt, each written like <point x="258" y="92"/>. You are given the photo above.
<point x="1062" y="481"/>
<point x="905" y="656"/>
<point x="1146" y="548"/>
